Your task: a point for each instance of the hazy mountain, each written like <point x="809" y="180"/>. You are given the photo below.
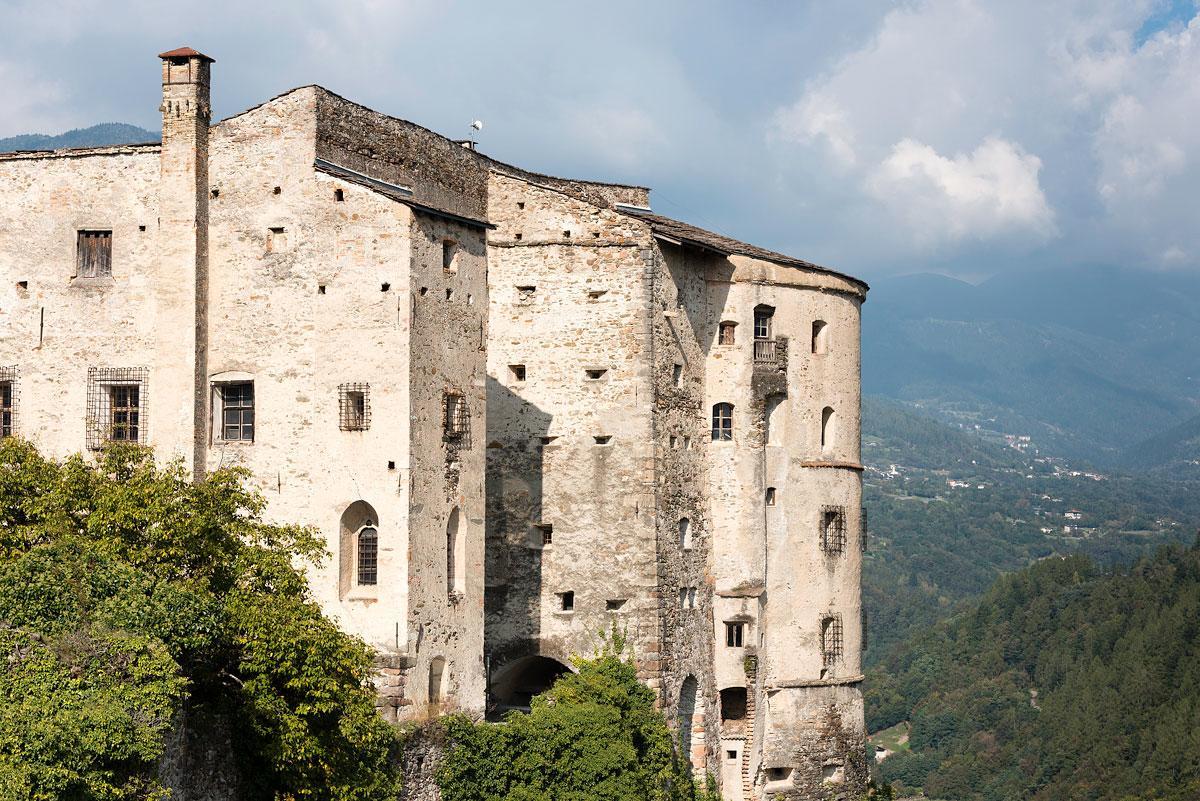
<point x="108" y="133"/>
<point x="1089" y="362"/>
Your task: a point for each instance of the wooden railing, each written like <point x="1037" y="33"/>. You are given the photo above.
<point x="764" y="351"/>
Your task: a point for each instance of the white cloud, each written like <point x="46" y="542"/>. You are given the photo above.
<point x="990" y="192"/>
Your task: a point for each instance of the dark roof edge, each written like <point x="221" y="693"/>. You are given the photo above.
<point x="670" y="229"/>
<point x="400" y="194"/>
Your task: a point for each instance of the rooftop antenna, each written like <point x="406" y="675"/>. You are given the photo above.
<point x="476" y="125"/>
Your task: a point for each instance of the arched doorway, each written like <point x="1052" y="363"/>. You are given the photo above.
<point x="515" y="684"/>
<point x="691" y="725"/>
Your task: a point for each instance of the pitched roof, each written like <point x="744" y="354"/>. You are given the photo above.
<point x="718" y="243"/>
<point x="185" y="52"/>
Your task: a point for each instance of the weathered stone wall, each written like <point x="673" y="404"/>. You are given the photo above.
<point x="56" y="325"/>
<point x="567" y="296"/>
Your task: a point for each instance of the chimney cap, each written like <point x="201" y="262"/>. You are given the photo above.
<point x="185" y="52"/>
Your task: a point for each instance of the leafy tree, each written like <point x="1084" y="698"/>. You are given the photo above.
<point x="125" y="590"/>
<point x="594" y="736"/>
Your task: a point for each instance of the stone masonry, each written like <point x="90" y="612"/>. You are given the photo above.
<point x="521" y="409"/>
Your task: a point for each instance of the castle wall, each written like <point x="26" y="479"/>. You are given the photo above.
<point x="56" y="325"/>
<point x="567" y="296"/>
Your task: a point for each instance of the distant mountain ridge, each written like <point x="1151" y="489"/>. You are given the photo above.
<point x="107" y="133"/>
<point x="1090" y="362"/>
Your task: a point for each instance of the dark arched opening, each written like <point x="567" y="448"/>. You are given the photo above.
<point x="514" y="685"/>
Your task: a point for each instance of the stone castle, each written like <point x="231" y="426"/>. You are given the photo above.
<point x="521" y="408"/>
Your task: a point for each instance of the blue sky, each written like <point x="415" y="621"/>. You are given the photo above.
<point x="955" y="136"/>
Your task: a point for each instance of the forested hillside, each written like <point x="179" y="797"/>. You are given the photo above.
<point x="950" y="510"/>
<point x="1064" y="681"/>
<point x="107" y="133"/>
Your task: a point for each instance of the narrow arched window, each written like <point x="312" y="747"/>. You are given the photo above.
<point x="722" y="422"/>
<point x="437" y="677"/>
<point x="819" y="336"/>
<point x="685" y="533"/>
<point x="368" y="555"/>
<point x="455" y="569"/>
<point x="827" y="427"/>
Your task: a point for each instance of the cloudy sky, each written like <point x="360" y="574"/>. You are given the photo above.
<point x="956" y="136"/>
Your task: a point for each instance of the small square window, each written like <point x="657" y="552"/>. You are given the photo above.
<point x="566" y="601"/>
<point x="525" y="295"/>
<point x="339" y="196"/>
<point x="731" y="755"/>
<point x="595" y="373"/>
<point x="517" y="372"/>
<point x="735" y="635"/>
<point x="547" y="533"/>
<point x="726" y="333"/>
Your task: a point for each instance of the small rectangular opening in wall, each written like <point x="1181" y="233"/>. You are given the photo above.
<point x="449" y="257"/>
<point x="339" y="196"/>
<point x="385" y="286"/>
<point x="214" y="193"/>
<point x="93" y="254"/>
<point x="516" y="372"/>
<point x="770" y="497"/>
<point x="547" y="533"/>
<point x="141" y="228"/>
<point x="687" y="443"/>
<point x="677" y="375"/>
<point x="735" y="634"/>
<point x="320" y="289"/>
<point x="517" y="236"/>
<point x="596" y="294"/>
<point x="276" y="239"/>
<point x="602" y="439"/>
<point x="595" y="234"/>
<point x="548" y="440"/>
<point x="731" y="754"/>
<point x="22" y="285"/>
<point x="525" y="294"/>
<point x="674" y="442"/>
<point x="391" y="465"/>
<point x="566" y="234"/>
<point x="277" y="191"/>
<point x="449" y="293"/>
<point x="520" y="204"/>
<point x="779" y="774"/>
<point x="595" y="373"/>
<point x="566" y="601"/>
<point x="614" y="604"/>
<point x="833" y="529"/>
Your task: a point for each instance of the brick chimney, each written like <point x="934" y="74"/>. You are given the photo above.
<point x="180" y="397"/>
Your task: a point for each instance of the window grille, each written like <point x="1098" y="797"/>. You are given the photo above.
<point x="831" y="640"/>
<point x="237" y="412"/>
<point x="722" y="422"/>
<point x="456" y="420"/>
<point x="354" y="407"/>
<point x="93" y="254"/>
<point x="368" y="556"/>
<point x="117" y="399"/>
<point x="8" y="401"/>
<point x="833" y="529"/>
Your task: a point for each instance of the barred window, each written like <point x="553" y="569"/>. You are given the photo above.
<point x="8" y="401"/>
<point x="833" y="529"/>
<point x="93" y="254"/>
<point x="456" y="419"/>
<point x="831" y="640"/>
<point x="722" y="422"/>
<point x="354" y="407"/>
<point x="368" y="556"/>
<point x="116" y="405"/>
<point x="237" y="411"/>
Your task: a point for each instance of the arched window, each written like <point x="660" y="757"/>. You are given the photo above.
<point x="358" y="556"/>
<point x="456" y="574"/>
<point x="762" y="321"/>
<point x="687" y="716"/>
<point x="827" y="428"/>
<point x="437" y="675"/>
<point x="368" y="555"/>
<point x="722" y="422"/>
<point x="819" y="336"/>
<point x="725" y="332"/>
<point x="685" y="533"/>
<point x="776" y="410"/>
